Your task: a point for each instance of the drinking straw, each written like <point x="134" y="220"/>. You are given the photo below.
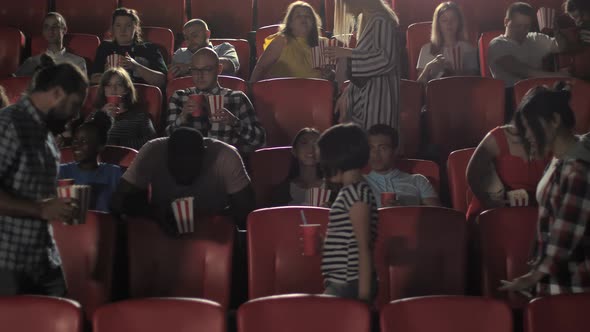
<point x="303" y="217"/>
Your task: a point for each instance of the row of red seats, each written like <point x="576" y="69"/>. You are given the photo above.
<point x="414" y="244"/>
<point x="564" y="313"/>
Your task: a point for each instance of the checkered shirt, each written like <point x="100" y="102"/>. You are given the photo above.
<point x="563" y="235"/>
<point x="29" y="159"/>
<point x="246" y="135"/>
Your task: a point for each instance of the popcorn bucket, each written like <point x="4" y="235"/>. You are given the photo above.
<point x="318" y="57"/>
<point x="318" y="196"/>
<point x="518" y="197"/>
<point x="114" y="60"/>
<point x="81" y="193"/>
<point x="184" y="214"/>
<point x="215" y="104"/>
<point x="454" y="57"/>
<point x="546" y="18"/>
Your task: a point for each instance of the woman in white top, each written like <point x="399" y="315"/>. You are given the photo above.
<point x="448" y="53"/>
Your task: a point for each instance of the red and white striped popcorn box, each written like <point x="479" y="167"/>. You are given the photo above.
<point x="114" y="60"/>
<point x="546" y="18"/>
<point x="82" y="194"/>
<point x="317" y="57"/>
<point x="215" y="104"/>
<point x="318" y="196"/>
<point x="184" y="214"/>
<point x="329" y="43"/>
<point x="65" y="191"/>
<point x="454" y="57"/>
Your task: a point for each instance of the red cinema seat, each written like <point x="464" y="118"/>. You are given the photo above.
<point x="310" y="313"/>
<point x="87" y="252"/>
<point x="26" y="15"/>
<point x="191" y="265"/>
<point x="486" y="15"/>
<point x="181" y="83"/>
<point x="160" y="314"/>
<point x="580" y="100"/>
<point x="410" y="12"/>
<point x="273" y="11"/>
<point x="161" y="37"/>
<point x="243" y="50"/>
<point x="87" y="17"/>
<point x="411" y="102"/>
<point x="275" y="261"/>
<point x="269" y="167"/>
<point x="11" y="48"/>
<point x="446" y="314"/>
<point x="261" y="34"/>
<point x="506" y="238"/>
<point x="225" y="18"/>
<point x="457" y="174"/>
<point x="417" y="35"/>
<point x="171" y="15"/>
<point x="413" y="245"/>
<point x="460" y="111"/>
<point x="329" y="15"/>
<point x="15" y="87"/>
<point x="483" y="44"/>
<point x="285" y="105"/>
<point x="81" y="44"/>
<point x="40" y="313"/>
<point x="563" y="313"/>
<point x="424" y="167"/>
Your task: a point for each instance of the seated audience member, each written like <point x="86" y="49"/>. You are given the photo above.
<point x="503" y="163"/>
<point x="579" y="11"/>
<point x="288" y="53"/>
<point x="132" y="126"/>
<point x="448" y="53"/>
<point x="410" y="189"/>
<point x="236" y="123"/>
<point x="185" y="165"/>
<point x="304" y="172"/>
<point x="54" y="29"/>
<point x="518" y="53"/>
<point x="141" y="59"/>
<point x="89" y="139"/>
<point x="560" y="263"/>
<point x="4" y="101"/>
<point x="196" y="35"/>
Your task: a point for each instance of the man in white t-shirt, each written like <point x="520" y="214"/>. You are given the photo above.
<point x="518" y="53"/>
<point x="410" y="189"/>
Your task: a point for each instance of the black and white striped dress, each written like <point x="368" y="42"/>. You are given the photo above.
<point x="340" y="261"/>
<point x="375" y="74"/>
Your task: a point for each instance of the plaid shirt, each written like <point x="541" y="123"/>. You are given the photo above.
<point x="563" y="238"/>
<point x="246" y="135"/>
<point x="29" y="159"/>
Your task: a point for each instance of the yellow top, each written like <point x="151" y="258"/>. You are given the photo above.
<point x="295" y="60"/>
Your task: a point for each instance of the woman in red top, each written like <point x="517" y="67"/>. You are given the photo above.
<point x="501" y="170"/>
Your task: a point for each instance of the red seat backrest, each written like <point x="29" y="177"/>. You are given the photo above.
<point x="150" y="100"/>
<point x="261" y="35"/>
<point x="269" y="167"/>
<point x="26" y="15"/>
<point x="285" y="105"/>
<point x="411" y="102"/>
<point x="243" y="50"/>
<point x="275" y="261"/>
<point x="12" y="42"/>
<point x="483" y="44"/>
<point x="446" y="314"/>
<point x="161" y="37"/>
<point x="424" y="167"/>
<point x="225" y="18"/>
<point x="564" y="313"/>
<point x="152" y="315"/>
<point x="192" y="265"/>
<point x="410" y="12"/>
<point x="413" y="245"/>
<point x="506" y="238"/>
<point x="172" y="15"/>
<point x="87" y="252"/>
<point x="329" y="15"/>
<point x="417" y="35"/>
<point x="40" y="313"/>
<point x="310" y="313"/>
<point x="580" y="101"/>
<point x="273" y="11"/>
<point x="81" y="44"/>
<point x="87" y="17"/>
<point x="460" y="111"/>
<point x="15" y="87"/>
<point x="457" y="174"/>
<point x="181" y="83"/>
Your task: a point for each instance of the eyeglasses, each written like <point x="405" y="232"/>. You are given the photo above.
<point x="204" y="70"/>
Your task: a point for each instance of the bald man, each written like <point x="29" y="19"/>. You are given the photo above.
<point x="235" y="123"/>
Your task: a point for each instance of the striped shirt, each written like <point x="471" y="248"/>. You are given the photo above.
<point x="131" y="129"/>
<point x="340" y="261"/>
<point x="375" y="74"/>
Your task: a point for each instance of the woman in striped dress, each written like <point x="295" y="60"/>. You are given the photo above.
<point x="132" y="127"/>
<point x="372" y="67"/>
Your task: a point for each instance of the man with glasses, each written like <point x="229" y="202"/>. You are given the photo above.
<point x="54" y="30"/>
<point x="234" y="122"/>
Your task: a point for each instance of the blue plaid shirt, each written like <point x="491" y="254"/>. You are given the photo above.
<point x="29" y="160"/>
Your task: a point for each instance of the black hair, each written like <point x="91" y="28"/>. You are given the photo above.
<point x="343" y="147"/>
<point x="577" y="5"/>
<point x="385" y="130"/>
<point x="542" y="103"/>
<point x="186" y="150"/>
<point x="64" y="75"/>
<point x="185" y="139"/>
<point x="294" y="168"/>
<point x="521" y="8"/>
<point x="100" y="122"/>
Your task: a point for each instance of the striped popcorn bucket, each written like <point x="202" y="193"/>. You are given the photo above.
<point x="114" y="60"/>
<point x="546" y="18"/>
<point x="81" y="193"/>
<point x="454" y="56"/>
<point x="184" y="214"/>
<point x="318" y="196"/>
<point x="215" y="104"/>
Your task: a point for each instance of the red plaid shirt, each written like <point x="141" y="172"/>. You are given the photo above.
<point x="563" y="240"/>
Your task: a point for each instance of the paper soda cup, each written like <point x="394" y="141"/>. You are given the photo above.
<point x="318" y="196"/>
<point x="114" y="60"/>
<point x="184" y="214"/>
<point x="200" y="100"/>
<point x="215" y="104"/>
<point x="388" y="199"/>
<point x="310" y="234"/>
<point x="81" y="193"/>
<point x="65" y="182"/>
